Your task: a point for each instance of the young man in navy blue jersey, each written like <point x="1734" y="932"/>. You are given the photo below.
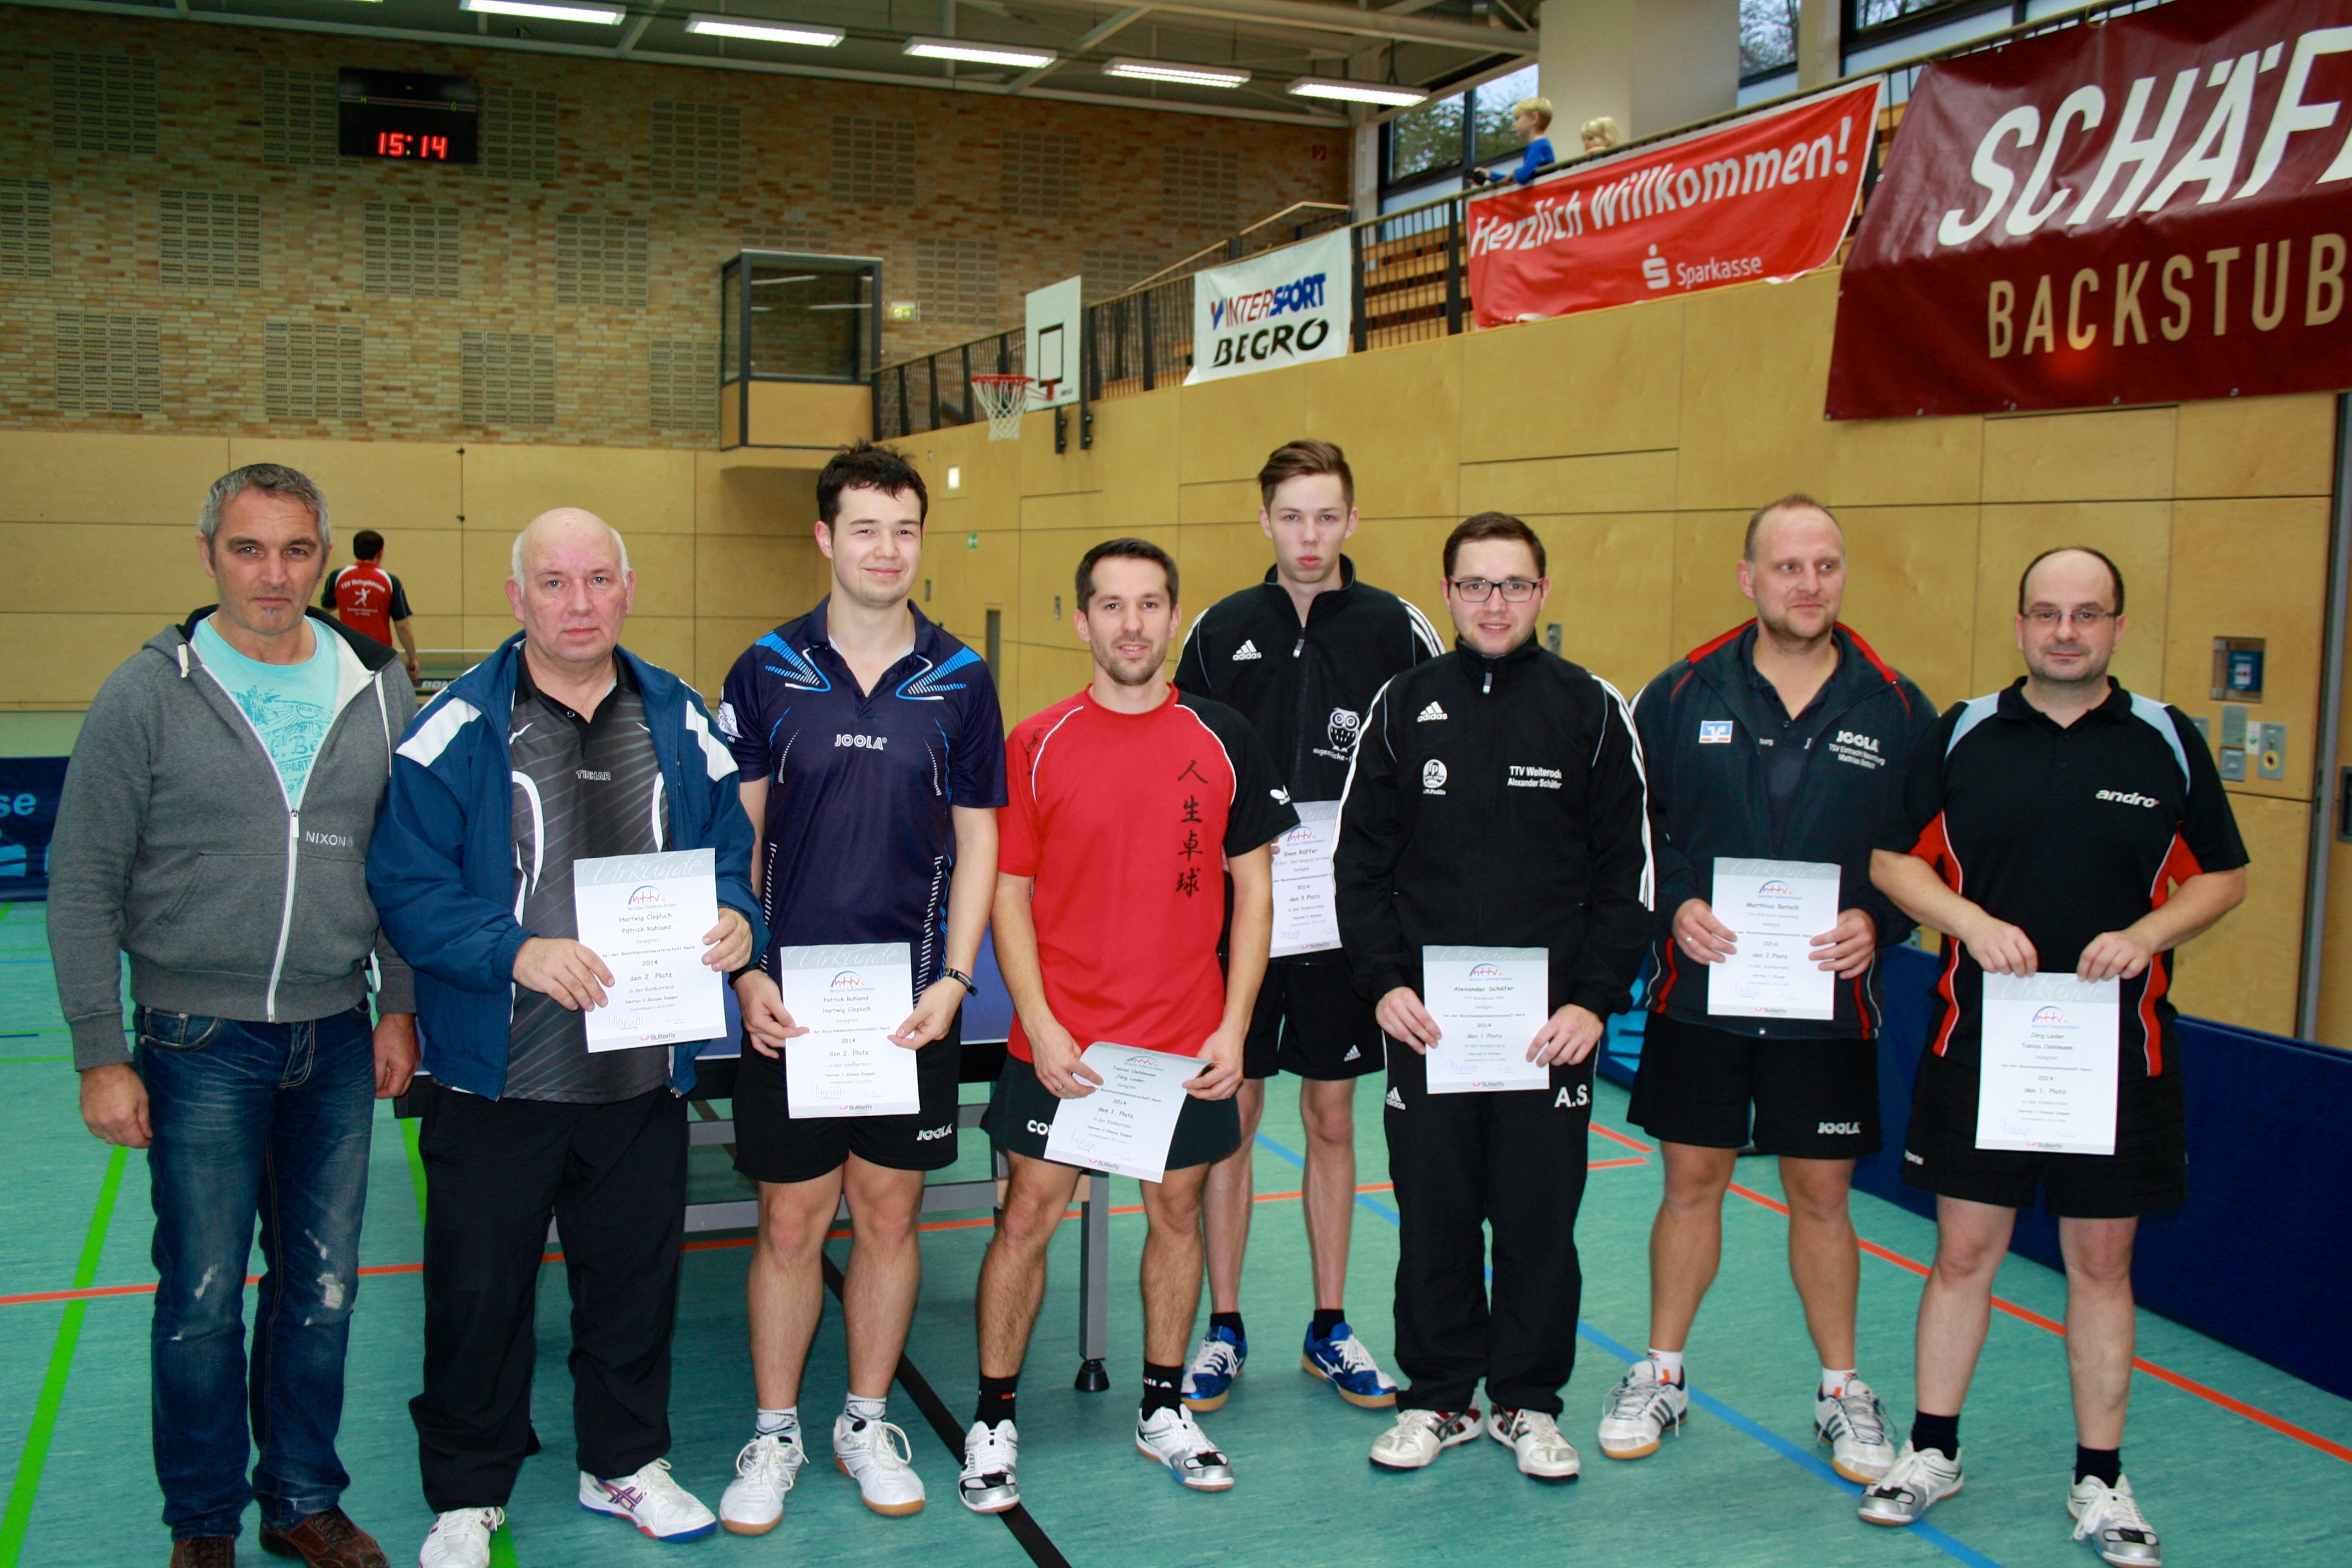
<point x="2095" y="838"/>
<point x="872" y="754"/>
<point x="1301" y="656"/>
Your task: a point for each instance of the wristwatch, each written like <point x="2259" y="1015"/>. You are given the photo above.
<point x="961" y="978"/>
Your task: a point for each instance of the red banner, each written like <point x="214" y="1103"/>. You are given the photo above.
<point x="1768" y="197"/>
<point x="2149" y="210"/>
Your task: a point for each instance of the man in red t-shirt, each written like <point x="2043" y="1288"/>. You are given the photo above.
<point x="368" y="599"/>
<point x="1127" y="806"/>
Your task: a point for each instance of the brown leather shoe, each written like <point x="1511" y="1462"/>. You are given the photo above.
<point x="205" y="1552"/>
<point x="327" y="1539"/>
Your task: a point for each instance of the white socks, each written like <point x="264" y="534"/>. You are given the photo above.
<point x="784" y="1423"/>
<point x="865" y="1410"/>
<point x="1835" y="1378"/>
<point x="1670" y="1363"/>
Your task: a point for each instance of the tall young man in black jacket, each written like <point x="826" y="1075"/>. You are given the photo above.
<point x="1497" y="802"/>
<point x="1781" y="740"/>
<point x="1301" y="654"/>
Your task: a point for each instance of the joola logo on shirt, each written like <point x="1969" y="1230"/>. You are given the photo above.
<point x="1432" y="777"/>
<point x="1247" y="650"/>
<point x="1848" y="737"/>
<point x="863" y="742"/>
<point x="1862" y="750"/>
<point x="1840" y="1128"/>
<point x="932" y="1134"/>
<point x="2121" y="799"/>
<point x="1714" y="731"/>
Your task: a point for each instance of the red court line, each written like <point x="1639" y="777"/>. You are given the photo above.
<point x="2025" y="1314"/>
<point x="1616" y="1137"/>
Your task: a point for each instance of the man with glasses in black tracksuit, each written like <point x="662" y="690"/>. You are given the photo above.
<point x="1495" y="804"/>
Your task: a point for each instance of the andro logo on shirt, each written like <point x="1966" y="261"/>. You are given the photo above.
<point x="2123" y="799"/>
<point x="1432" y="777"/>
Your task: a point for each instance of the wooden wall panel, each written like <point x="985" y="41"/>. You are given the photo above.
<point x="391" y="487"/>
<point x="1609" y="381"/>
<point x="2257" y="447"/>
<point x="1904" y="596"/>
<point x="1611" y="592"/>
<point x="636" y="489"/>
<point x="60" y="661"/>
<point x="1555" y="487"/>
<point x="1706" y="597"/>
<point x="2122" y="456"/>
<point x="1394" y="412"/>
<point x="158" y="479"/>
<point x="2245" y="970"/>
<point x="96" y="568"/>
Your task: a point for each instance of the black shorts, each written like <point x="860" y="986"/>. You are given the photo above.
<point x="2147" y="1173"/>
<point x="1813" y="1099"/>
<point x="1310" y="1022"/>
<point x="1021" y="1114"/>
<point x="769" y="1146"/>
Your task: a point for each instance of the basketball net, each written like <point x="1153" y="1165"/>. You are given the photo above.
<point x="1004" y="399"/>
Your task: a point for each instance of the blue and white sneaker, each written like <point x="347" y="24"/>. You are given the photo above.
<point x="652" y="1501"/>
<point x="1341" y="1360"/>
<point x="1209" y="1381"/>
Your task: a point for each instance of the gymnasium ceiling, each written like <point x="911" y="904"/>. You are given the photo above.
<point x="1415" y="42"/>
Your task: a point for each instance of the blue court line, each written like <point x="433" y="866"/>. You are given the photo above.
<point x="1737" y="1421"/>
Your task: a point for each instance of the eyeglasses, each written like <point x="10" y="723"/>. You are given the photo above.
<point x="2088" y="620"/>
<point x="1516" y="590"/>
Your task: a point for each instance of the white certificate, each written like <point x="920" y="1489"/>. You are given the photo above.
<point x="646" y="916"/>
<point x="1775" y="909"/>
<point x="849" y="999"/>
<point x="2048" y="1082"/>
<point x="1125" y="1125"/>
<point x="1306" y="917"/>
<point x="1489" y="1004"/>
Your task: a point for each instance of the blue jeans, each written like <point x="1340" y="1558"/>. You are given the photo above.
<point x="274" y="1120"/>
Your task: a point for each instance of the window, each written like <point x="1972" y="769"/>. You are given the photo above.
<point x="1433" y="146"/>
<point x="1768" y="37"/>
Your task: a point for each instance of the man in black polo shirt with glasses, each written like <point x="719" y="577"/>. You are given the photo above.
<point x="2040" y="830"/>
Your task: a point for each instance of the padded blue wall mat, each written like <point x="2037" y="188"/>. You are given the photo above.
<point x="2258" y="1258"/>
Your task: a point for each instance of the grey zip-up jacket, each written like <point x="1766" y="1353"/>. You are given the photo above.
<point x="175" y="844"/>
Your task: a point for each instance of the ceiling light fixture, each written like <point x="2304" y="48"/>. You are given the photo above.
<point x="1181" y="75"/>
<point x="980" y="54"/>
<point x="603" y="16"/>
<point x="1386" y="95"/>
<point x="804" y="34"/>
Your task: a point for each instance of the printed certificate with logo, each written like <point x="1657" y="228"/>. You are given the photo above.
<point x="646" y="916"/>
<point x="1306" y="913"/>
<point x="2049" y="1076"/>
<point x="849" y="999"/>
<point x="1489" y="1004"/>
<point x="1125" y="1126"/>
<point x="1775" y="909"/>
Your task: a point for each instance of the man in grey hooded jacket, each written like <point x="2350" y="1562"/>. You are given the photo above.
<point x="214" y="826"/>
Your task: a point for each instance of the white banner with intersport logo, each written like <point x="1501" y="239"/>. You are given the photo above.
<point x="1286" y="307"/>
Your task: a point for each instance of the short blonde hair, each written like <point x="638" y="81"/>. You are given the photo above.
<point x="1604" y="127"/>
<point x="1538" y="107"/>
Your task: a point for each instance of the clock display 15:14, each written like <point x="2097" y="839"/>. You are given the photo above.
<point x="408" y="144"/>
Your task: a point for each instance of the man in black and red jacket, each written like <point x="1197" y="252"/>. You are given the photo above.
<point x="1782" y="740"/>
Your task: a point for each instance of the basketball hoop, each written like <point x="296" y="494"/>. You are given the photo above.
<point x="1004" y="399"/>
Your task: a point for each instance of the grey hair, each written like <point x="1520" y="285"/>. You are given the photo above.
<point x="270" y="478"/>
<point x="514" y="551"/>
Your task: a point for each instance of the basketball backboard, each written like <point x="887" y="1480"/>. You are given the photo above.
<point x="1053" y="344"/>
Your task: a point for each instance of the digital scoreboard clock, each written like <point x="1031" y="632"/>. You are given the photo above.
<point x="403" y="114"/>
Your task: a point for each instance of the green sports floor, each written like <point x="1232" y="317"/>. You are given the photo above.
<point x="2235" y="1461"/>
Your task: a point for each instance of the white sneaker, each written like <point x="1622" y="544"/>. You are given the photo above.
<point x="1176" y="1440"/>
<point x="2109" y="1517"/>
<point x="649" y="1500"/>
<point x="1639" y="1411"/>
<point x="764" y="1473"/>
<point x="1420" y="1435"/>
<point x="461" y="1539"/>
<point x="988" y="1484"/>
<point x="1535" y="1438"/>
<point x="1853" y="1424"/>
<point x="1916" y="1482"/>
<point x="876" y="1456"/>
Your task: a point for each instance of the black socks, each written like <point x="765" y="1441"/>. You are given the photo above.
<point x="2106" y="1464"/>
<point x="1323" y="1322"/>
<point x="997" y="1396"/>
<point x="1941" y="1432"/>
<point x="1159" y="1385"/>
<point x="1227" y="1320"/>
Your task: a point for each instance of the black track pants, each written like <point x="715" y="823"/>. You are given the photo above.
<point x="1462" y="1162"/>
